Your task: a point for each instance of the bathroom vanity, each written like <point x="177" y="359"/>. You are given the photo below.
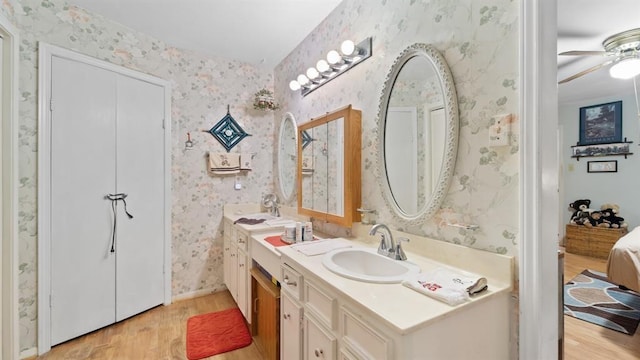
<point x="328" y="316"/>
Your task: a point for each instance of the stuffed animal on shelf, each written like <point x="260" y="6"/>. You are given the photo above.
<point x="580" y="210"/>
<point x="614" y="221"/>
<point x="596" y="219"/>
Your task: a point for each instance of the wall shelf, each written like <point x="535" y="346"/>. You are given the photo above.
<point x="599" y="150"/>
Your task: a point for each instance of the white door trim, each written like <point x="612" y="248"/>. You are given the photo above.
<point x="46" y="51"/>
<point x="9" y="338"/>
<point x="538" y="265"/>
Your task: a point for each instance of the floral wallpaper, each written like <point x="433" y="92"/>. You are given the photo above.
<point x="202" y="87"/>
<point x="479" y="40"/>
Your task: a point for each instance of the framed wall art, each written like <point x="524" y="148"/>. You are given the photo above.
<point x="601" y="124"/>
<point x="602" y="166"/>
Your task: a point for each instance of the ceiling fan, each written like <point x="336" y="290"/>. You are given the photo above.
<point x="623" y="50"/>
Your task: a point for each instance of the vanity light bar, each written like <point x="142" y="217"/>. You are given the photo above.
<point x="336" y="63"/>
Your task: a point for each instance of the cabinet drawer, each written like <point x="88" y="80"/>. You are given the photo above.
<point x="242" y="239"/>
<point x="318" y="342"/>
<point x="291" y="281"/>
<point x="321" y="303"/>
<point x="362" y="339"/>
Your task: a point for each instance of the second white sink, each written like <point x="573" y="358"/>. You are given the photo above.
<point x="367" y="265"/>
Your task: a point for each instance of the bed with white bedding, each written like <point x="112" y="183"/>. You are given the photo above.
<point x="623" y="265"/>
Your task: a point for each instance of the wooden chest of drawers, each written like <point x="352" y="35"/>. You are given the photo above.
<point x="591" y="241"/>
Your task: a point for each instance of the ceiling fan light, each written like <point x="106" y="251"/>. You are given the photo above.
<point x="625" y="69"/>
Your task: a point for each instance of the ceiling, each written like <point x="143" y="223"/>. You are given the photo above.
<point x="264" y="32"/>
<point x="583" y="25"/>
<point x="259" y="32"/>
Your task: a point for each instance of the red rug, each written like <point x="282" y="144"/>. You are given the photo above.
<point x="216" y="333"/>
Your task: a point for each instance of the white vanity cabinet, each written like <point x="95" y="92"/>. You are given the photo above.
<point x="236" y="266"/>
<point x="319" y="324"/>
<point x="348" y="319"/>
<point x="290" y="327"/>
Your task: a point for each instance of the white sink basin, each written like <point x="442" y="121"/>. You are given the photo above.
<point x="367" y="265"/>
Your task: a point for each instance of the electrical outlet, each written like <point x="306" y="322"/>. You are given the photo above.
<point x="237" y="185"/>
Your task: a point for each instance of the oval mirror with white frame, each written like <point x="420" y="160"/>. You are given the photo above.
<point x="287" y="156"/>
<point x="418" y="134"/>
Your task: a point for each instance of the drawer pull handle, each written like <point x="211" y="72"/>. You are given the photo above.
<point x="241" y="265"/>
<point x="286" y="316"/>
<point x="289" y="282"/>
<point x="241" y="241"/>
<point x="318" y="352"/>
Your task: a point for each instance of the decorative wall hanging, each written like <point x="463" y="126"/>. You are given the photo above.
<point x="601" y="124"/>
<point x="612" y="149"/>
<point x="228" y="132"/>
<point x="264" y="101"/>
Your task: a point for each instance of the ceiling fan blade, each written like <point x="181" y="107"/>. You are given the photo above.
<point x="579" y="52"/>
<point x="585" y="72"/>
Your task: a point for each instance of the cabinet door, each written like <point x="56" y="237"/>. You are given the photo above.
<point x="290" y="328"/>
<point x="318" y="342"/>
<point x="227" y="261"/>
<point x="242" y="284"/>
<point x="232" y="284"/>
<point x="266" y="315"/>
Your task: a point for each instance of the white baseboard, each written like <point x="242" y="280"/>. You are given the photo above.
<point x="195" y="294"/>
<point x="31" y="352"/>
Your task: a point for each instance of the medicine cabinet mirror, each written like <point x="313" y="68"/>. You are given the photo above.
<point x="329" y="166"/>
<point x="287" y="156"/>
<point x="418" y="137"/>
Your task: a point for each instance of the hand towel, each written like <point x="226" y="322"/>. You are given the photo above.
<point x="318" y="247"/>
<point x="447" y="285"/>
<point x="222" y="164"/>
<point x="307" y="165"/>
<point x="245" y="161"/>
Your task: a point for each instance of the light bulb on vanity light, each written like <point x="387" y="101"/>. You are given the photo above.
<point x="333" y="57"/>
<point x="625" y="68"/>
<point x="348" y="47"/>
<point x="324" y="68"/>
<point x="294" y="85"/>
<point x="302" y="80"/>
<point x="312" y="73"/>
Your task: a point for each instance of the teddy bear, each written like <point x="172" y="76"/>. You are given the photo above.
<point x="614" y="207"/>
<point x="592" y="219"/>
<point x="580" y="210"/>
<point x="612" y="219"/>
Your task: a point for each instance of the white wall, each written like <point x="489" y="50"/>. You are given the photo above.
<point x="619" y="187"/>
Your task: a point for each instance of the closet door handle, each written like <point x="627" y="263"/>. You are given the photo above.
<point x="114" y="198"/>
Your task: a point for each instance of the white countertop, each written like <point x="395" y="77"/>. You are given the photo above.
<point x="401" y="308"/>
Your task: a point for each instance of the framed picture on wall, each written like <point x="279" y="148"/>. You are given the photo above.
<point x="601" y="124"/>
<point x="602" y="166"/>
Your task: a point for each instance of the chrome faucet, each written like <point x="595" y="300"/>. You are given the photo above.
<point x="388" y="246"/>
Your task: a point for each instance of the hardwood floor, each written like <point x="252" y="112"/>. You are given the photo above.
<point x="583" y="340"/>
<point x="159" y="333"/>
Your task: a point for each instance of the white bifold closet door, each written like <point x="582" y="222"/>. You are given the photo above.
<point x="107" y="138"/>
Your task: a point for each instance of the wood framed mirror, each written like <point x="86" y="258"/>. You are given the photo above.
<point x="329" y="166"/>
